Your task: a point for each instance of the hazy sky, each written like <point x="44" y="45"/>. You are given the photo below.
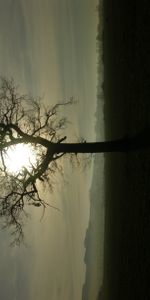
<point x="49" y="47"/>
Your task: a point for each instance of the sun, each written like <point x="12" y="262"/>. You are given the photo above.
<point x="19" y="156"/>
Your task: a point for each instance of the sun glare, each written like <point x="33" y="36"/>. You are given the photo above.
<point x="19" y="156"/>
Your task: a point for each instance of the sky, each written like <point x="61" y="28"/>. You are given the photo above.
<point x="49" y="48"/>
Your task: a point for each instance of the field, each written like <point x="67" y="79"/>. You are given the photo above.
<point x="127" y="183"/>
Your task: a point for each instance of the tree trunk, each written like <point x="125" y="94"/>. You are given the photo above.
<point x="138" y="142"/>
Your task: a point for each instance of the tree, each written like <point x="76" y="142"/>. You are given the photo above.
<point x="23" y="120"/>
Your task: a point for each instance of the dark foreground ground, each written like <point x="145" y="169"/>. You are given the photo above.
<point x="127" y="111"/>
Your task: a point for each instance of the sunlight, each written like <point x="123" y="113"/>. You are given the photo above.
<point x="19" y="156"/>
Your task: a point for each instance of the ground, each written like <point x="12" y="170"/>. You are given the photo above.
<point x="127" y="111"/>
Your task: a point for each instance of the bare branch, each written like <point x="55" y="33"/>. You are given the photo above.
<point x="23" y="120"/>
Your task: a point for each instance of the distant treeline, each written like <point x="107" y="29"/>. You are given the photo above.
<point x="100" y="69"/>
<point x="99" y="45"/>
<point x="100" y="28"/>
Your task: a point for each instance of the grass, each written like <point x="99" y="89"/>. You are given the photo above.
<point x="127" y="183"/>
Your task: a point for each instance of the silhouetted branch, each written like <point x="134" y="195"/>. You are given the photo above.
<point x="23" y="120"/>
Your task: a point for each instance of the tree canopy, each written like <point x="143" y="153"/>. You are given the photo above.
<point x="23" y="120"/>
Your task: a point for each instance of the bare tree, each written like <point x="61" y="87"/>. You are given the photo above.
<point x="23" y="120"/>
